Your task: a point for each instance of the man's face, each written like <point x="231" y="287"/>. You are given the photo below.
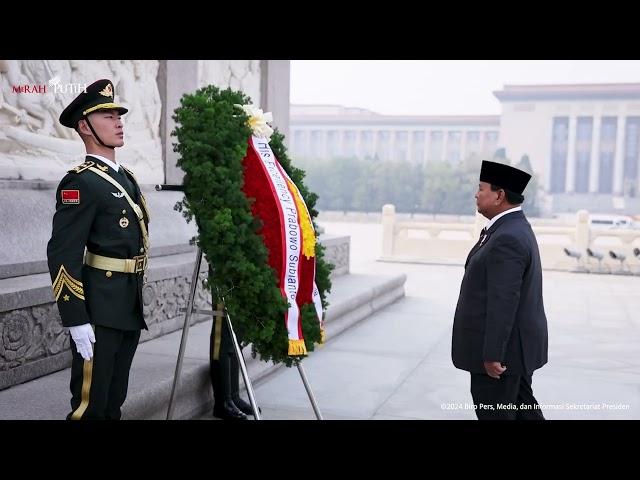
<point x="108" y="126"/>
<point x="486" y="200"/>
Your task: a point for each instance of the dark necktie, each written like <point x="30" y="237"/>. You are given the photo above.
<point x="483" y="232"/>
<point x="478" y="244"/>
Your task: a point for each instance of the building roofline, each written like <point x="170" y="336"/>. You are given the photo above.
<point x="366" y="116"/>
<point x="493" y="120"/>
<point x="326" y="105"/>
<point x="573" y="91"/>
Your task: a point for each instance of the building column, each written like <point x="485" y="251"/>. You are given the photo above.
<point x="618" y="162"/>
<point x="340" y="146"/>
<point x="546" y="182"/>
<point x="175" y="78"/>
<point x="392" y="145"/>
<point x="571" y="157"/>
<point x="427" y="145"/>
<point x="358" y="146"/>
<point x="445" y="144"/>
<point x="343" y="143"/>
<point x="410" y="158"/>
<point x="594" y="167"/>
<point x="275" y="87"/>
<point x="325" y="143"/>
<point x="463" y="145"/>
<point x="308" y="152"/>
<point x="374" y="134"/>
<point x="324" y="148"/>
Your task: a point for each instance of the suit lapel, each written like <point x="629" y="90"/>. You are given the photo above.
<point x="481" y="241"/>
<point x="493" y="229"/>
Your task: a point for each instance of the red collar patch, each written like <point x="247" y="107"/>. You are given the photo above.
<point x="70" y="196"/>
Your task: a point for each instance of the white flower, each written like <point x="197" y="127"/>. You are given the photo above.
<point x="258" y="121"/>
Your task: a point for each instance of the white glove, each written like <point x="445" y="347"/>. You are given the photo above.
<point x="83" y="337"/>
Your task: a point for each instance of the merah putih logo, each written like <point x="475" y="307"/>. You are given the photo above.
<point x="54" y="85"/>
<point x="59" y="87"/>
<point x="26" y="88"/>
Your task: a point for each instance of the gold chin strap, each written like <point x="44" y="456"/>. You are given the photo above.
<point x="136" y="208"/>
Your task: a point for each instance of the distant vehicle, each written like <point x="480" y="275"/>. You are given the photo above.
<point x="612" y="221"/>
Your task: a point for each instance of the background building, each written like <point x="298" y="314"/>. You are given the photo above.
<point x="583" y="141"/>
<point x="330" y="131"/>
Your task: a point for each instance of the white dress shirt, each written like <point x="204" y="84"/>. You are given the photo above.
<point x="506" y="212"/>
<point x="115" y="165"/>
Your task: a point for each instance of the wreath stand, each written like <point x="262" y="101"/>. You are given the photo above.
<point x="189" y="310"/>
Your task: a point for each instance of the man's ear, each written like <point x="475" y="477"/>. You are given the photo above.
<point x="83" y="128"/>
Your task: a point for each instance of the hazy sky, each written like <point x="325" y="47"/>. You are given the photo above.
<point x="447" y="87"/>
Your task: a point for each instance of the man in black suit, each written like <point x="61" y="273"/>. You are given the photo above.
<point x="500" y="328"/>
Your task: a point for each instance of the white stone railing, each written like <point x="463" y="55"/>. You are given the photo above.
<point x="449" y="243"/>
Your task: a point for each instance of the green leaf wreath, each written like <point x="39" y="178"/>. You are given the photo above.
<point x="212" y="139"/>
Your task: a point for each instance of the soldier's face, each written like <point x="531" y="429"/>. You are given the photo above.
<point x="108" y="126"/>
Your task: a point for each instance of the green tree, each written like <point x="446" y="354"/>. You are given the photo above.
<point x="450" y="188"/>
<point x="500" y="155"/>
<point x="439" y="187"/>
<point x="531" y="193"/>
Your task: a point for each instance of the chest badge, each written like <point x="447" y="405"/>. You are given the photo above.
<point x="117" y="194"/>
<point x="124" y="222"/>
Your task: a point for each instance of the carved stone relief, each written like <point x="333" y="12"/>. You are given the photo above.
<point x="33" y="143"/>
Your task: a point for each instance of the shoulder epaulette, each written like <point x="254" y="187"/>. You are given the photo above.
<point x="129" y="172"/>
<point x="82" y="167"/>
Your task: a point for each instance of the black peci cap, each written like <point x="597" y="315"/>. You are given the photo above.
<point x="504" y="176"/>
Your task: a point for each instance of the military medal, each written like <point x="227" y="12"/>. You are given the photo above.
<point x="124" y="222"/>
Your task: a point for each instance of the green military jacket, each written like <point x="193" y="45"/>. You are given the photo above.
<point x="92" y="214"/>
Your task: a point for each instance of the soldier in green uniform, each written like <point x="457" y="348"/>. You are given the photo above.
<point x="100" y="207"/>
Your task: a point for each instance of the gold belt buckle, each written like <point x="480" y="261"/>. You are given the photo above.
<point x="141" y="263"/>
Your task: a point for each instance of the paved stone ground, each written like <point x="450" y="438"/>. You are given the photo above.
<point x="396" y="364"/>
